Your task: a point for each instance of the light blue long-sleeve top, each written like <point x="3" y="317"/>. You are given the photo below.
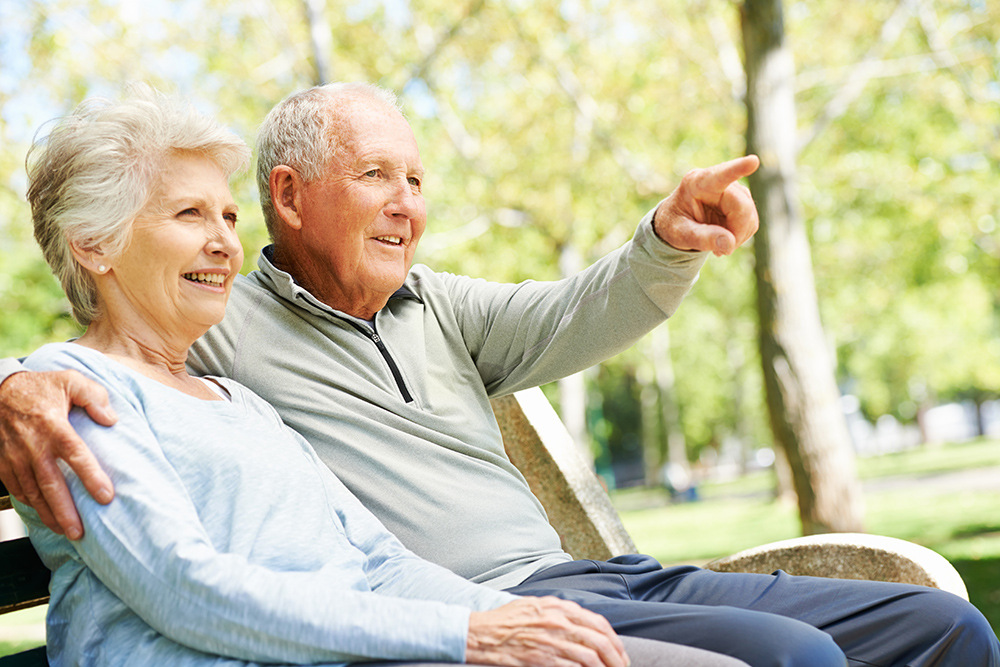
<point x="229" y="539"/>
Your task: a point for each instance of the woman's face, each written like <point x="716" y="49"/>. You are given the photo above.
<point x="177" y="271"/>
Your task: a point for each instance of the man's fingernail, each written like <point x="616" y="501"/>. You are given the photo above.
<point x="74" y="533"/>
<point x="722" y="244"/>
<point x="104" y="496"/>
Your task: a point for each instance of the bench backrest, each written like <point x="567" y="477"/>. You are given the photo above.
<point x="24" y="580"/>
<point x="576" y="502"/>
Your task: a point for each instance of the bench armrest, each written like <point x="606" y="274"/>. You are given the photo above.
<point x="849" y="556"/>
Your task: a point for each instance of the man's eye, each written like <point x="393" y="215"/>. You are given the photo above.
<point x="414" y="181"/>
<point x="189" y="211"/>
<point x="371" y="173"/>
<point x="230" y="217"/>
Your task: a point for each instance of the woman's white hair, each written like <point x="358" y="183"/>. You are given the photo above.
<point x="97" y="168"/>
<point x="298" y="132"/>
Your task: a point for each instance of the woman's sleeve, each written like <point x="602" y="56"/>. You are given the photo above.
<point x="149" y="547"/>
<point x="8" y="367"/>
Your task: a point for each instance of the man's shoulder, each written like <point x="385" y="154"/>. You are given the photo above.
<point x="421" y="277"/>
<point x="425" y="282"/>
<point x="252" y="283"/>
<point x="249" y="293"/>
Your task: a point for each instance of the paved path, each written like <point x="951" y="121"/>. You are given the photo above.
<point x="970" y="479"/>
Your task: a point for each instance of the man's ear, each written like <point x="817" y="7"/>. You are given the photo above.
<point x="90" y="257"/>
<point x="286" y="187"/>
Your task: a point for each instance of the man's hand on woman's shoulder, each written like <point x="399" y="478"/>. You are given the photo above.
<point x="35" y="433"/>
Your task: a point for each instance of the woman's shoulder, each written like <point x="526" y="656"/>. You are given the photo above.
<point x="66" y="356"/>
<point x="113" y="376"/>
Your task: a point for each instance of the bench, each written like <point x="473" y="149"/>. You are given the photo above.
<point x="24" y="583"/>
<point x="588" y="525"/>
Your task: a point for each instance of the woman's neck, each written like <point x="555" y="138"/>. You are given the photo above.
<point x="147" y="353"/>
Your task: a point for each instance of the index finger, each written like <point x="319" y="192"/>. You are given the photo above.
<point x="715" y="179"/>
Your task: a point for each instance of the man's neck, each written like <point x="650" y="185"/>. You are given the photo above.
<point x="363" y="309"/>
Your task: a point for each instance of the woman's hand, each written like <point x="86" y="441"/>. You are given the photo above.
<point x="543" y="631"/>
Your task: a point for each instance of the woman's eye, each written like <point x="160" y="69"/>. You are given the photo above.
<point x="189" y="211"/>
<point x="414" y="181"/>
<point x="372" y="173"/>
<point x="231" y="217"/>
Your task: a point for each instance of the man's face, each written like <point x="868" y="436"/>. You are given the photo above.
<point x="362" y="219"/>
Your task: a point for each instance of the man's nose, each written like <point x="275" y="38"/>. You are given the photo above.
<point x="405" y="202"/>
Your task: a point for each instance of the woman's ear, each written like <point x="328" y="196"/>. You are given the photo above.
<point x="286" y="187"/>
<point x="91" y="258"/>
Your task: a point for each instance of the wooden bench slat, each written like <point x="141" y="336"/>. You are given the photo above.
<point x="34" y="657"/>
<point x="24" y="580"/>
<point x="24" y="583"/>
<point x="4" y="498"/>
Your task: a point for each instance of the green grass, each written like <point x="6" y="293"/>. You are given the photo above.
<point x="935" y="459"/>
<point x="21" y="630"/>
<point x="904" y="500"/>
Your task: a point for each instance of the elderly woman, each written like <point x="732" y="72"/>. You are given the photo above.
<point x="228" y="538"/>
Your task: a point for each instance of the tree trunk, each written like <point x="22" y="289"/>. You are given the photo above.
<point x="802" y="395"/>
<point x="663" y="368"/>
<point x="573" y="388"/>
<point x="662" y="435"/>
<point x="320" y="40"/>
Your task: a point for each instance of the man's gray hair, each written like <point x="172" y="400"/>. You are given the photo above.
<point x="298" y="133"/>
<point x="96" y="170"/>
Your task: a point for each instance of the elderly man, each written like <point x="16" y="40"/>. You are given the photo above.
<point x="387" y="370"/>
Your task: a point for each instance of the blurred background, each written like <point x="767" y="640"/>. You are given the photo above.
<point x="856" y="339"/>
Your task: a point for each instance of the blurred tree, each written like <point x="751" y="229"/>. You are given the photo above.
<point x="914" y="206"/>
<point x="802" y="395"/>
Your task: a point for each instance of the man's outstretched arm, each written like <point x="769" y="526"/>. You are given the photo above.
<point x="35" y="433"/>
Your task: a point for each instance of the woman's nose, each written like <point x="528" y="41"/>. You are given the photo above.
<point x="224" y="240"/>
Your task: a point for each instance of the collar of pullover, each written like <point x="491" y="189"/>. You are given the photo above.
<point x="284" y="285"/>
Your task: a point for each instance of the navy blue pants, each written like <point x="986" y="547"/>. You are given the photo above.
<point x="777" y="620"/>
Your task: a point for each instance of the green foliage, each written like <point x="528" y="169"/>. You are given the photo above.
<point x="548" y="129"/>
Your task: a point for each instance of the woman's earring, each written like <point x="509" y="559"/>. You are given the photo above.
<point x="102" y="269"/>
